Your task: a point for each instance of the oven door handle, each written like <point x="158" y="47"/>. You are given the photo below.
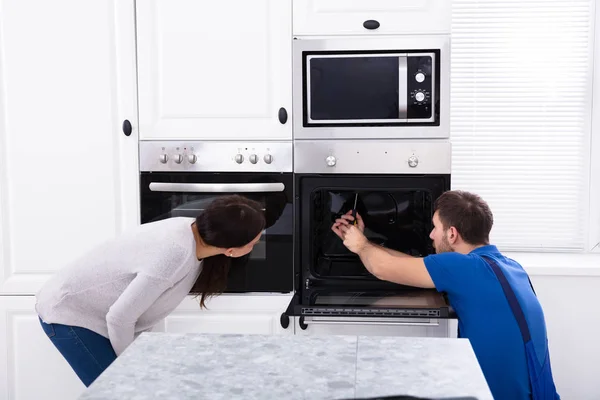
<point x="217" y="187"/>
<point x="368" y="321"/>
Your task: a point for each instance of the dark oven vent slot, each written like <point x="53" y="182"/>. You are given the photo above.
<point x="371" y="312"/>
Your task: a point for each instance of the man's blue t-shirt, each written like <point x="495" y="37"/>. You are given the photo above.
<point x="485" y="317"/>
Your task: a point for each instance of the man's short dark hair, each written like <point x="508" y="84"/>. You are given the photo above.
<point x="468" y="213"/>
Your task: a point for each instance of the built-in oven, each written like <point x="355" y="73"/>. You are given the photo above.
<point x="371" y="87"/>
<point x="181" y="179"/>
<point x="393" y="185"/>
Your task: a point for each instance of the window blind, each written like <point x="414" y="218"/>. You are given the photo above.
<point x="521" y="81"/>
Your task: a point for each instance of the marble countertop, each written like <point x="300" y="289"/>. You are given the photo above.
<point x="202" y="366"/>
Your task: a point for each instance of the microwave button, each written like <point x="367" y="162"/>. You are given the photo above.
<point x="420" y="77"/>
<point x="330" y="161"/>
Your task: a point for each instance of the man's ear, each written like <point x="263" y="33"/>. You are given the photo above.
<point x="452" y="235"/>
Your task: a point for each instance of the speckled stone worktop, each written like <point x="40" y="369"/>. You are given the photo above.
<point x="197" y="366"/>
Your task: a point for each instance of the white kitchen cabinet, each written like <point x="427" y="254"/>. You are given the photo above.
<point x="347" y="17"/>
<point x="218" y="70"/>
<point x="68" y="174"/>
<point x="31" y="368"/>
<point x="237" y="314"/>
<point x="408" y="327"/>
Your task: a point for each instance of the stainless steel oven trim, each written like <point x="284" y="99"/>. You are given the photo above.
<point x="404" y="42"/>
<point x="403" y="87"/>
<point x="370" y="321"/>
<point x="217" y="187"/>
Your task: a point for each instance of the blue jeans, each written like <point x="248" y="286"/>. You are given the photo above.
<point x="87" y="352"/>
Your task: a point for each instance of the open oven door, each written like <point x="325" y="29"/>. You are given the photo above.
<point x="343" y="306"/>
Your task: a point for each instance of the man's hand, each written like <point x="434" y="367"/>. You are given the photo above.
<point x="353" y="238"/>
<point x="347" y="220"/>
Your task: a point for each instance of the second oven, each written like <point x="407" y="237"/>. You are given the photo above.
<point x="176" y="187"/>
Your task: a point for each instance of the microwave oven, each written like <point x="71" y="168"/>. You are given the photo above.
<point x="388" y="88"/>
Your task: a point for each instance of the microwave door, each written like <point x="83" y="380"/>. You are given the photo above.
<point x="356" y="89"/>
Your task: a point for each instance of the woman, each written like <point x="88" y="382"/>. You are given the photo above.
<point x="93" y="310"/>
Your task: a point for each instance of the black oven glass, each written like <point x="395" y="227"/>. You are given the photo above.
<point x="397" y="211"/>
<point x="269" y="267"/>
<point x="397" y="219"/>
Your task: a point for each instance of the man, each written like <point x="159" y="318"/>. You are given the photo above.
<point x="465" y="268"/>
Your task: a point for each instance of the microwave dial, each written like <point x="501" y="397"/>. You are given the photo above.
<point x="420" y="77"/>
<point x="419" y="96"/>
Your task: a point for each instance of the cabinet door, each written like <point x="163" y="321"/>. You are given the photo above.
<point x="214" y="69"/>
<point x="31" y="368"/>
<point x="68" y="174"/>
<point x="238" y="314"/>
<point x="408" y="327"/>
<point x="347" y="17"/>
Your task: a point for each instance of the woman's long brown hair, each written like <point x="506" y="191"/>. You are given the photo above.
<point x="229" y="221"/>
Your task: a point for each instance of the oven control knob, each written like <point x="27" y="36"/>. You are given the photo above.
<point x="419" y="96"/>
<point x="192" y="158"/>
<point x="239" y="158"/>
<point x="163" y="158"/>
<point x="420" y="77"/>
<point x="178" y="158"/>
<point x="268" y="158"/>
<point x="413" y="161"/>
<point x="253" y="158"/>
<point x="330" y="161"/>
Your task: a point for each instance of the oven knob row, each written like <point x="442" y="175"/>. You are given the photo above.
<point x="178" y="158"/>
<point x="239" y="158"/>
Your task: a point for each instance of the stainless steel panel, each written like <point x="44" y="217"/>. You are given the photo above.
<point x="372" y="157"/>
<point x="405" y="42"/>
<point x="216" y="156"/>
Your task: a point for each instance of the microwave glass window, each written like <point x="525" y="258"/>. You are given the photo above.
<point x="353" y="88"/>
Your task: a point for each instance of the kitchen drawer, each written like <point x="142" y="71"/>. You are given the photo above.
<point x="347" y="17"/>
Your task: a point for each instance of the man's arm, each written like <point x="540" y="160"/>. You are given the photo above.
<point x="386" y="264"/>
<point x="392" y="251"/>
<point x="395" y="266"/>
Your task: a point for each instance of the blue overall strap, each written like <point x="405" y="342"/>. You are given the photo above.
<point x="512" y="299"/>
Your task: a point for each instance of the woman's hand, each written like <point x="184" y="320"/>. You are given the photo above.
<point x="347" y="220"/>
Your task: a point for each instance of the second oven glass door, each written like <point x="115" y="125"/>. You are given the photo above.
<point x="269" y="267"/>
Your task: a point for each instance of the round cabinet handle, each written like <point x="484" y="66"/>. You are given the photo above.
<point x="283" y="116"/>
<point x="371" y="24"/>
<point x="127" y="128"/>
